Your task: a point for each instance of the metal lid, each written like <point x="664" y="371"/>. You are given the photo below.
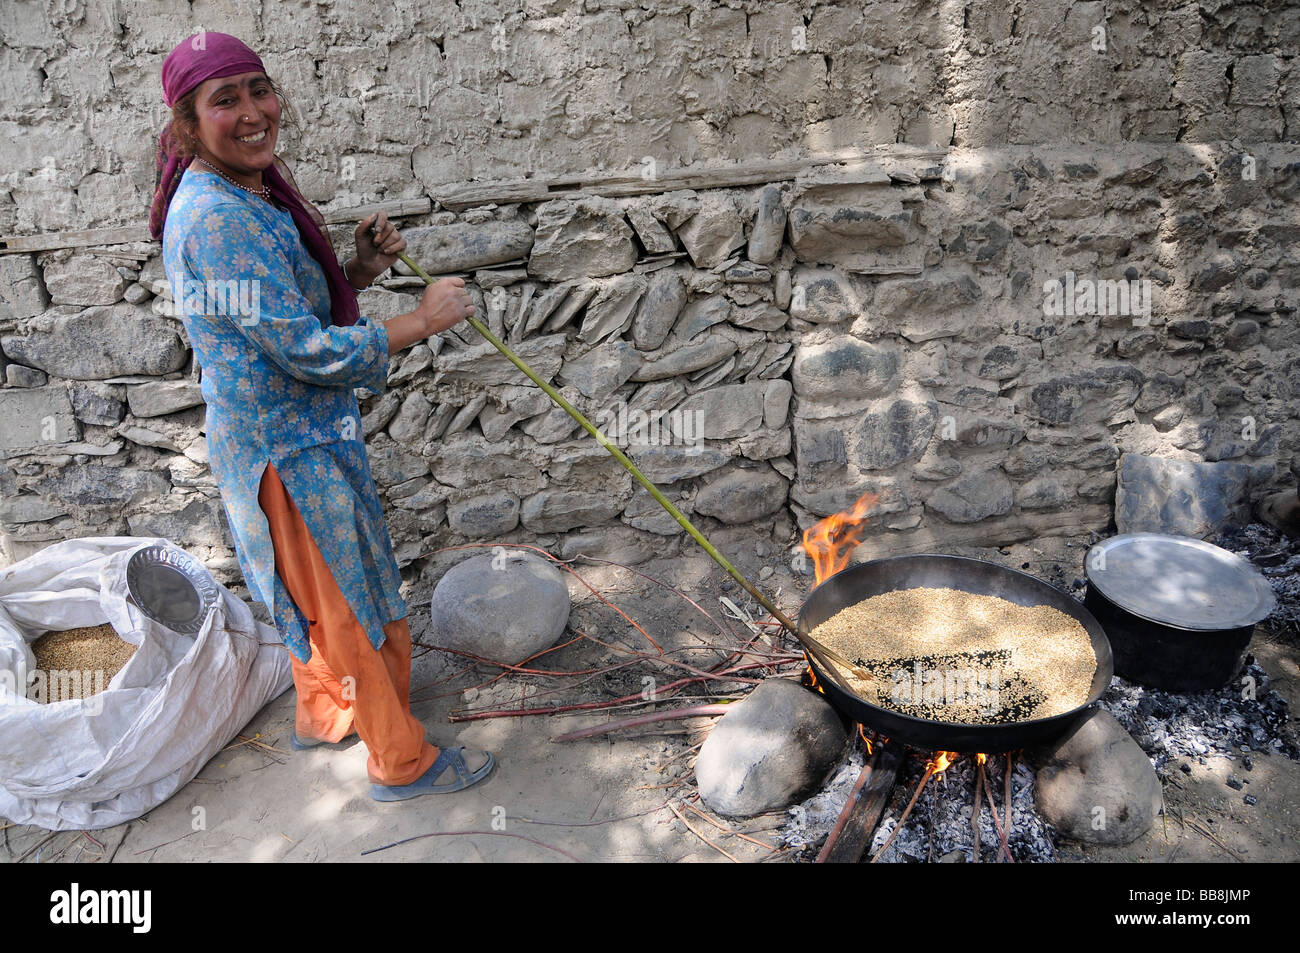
<point x="1179" y="581"/>
<point x="171" y="587"/>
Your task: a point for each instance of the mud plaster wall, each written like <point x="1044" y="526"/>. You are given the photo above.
<point x="881" y="327"/>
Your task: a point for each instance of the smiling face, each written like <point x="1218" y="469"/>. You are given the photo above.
<point x="238" y="122"/>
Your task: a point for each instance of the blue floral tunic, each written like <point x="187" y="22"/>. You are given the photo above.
<point x="278" y="380"/>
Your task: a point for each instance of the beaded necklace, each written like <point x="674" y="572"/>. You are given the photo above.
<point x="264" y="191"/>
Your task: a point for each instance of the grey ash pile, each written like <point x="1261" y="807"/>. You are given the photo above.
<point x="811" y="821"/>
<point x="1171" y="729"/>
<point x="1245" y="716"/>
<point x="1276" y="556"/>
<point x="1242" y="717"/>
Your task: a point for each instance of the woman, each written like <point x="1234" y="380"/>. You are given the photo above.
<point x="284" y="431"/>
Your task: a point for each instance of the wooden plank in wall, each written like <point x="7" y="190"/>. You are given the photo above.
<point x="125" y="234"/>
<point x="460" y="196"/>
<point x="900" y="161"/>
<point x="394" y="208"/>
<point x="47" y="241"/>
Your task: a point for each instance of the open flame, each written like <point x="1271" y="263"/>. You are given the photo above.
<point x="981" y="759"/>
<point x="811" y="676"/>
<point x="941" y="761"/>
<point x="831" y="541"/>
<point x="865" y="740"/>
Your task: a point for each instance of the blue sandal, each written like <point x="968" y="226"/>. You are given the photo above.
<point x="424" y="784"/>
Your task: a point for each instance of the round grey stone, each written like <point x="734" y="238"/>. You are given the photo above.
<point x="1097" y="785"/>
<point x="505" y="606"/>
<point x="770" y="750"/>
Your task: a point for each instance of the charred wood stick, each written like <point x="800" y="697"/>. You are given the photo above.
<point x="850" y="806"/>
<point x="1006" y="826"/>
<point x="997" y="825"/>
<point x="929" y="773"/>
<point x="975" y="816"/>
<point x="857" y="823"/>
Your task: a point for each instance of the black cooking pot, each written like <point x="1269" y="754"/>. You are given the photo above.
<point x="976" y="576"/>
<point x="1179" y="612"/>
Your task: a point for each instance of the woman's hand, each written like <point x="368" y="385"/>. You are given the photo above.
<point x="377" y="246"/>
<point x="445" y="303"/>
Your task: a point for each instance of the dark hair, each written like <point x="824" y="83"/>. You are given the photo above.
<point x="185" y="119"/>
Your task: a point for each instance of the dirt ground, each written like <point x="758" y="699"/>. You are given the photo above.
<point x="1207" y="821"/>
<point x="626" y="796"/>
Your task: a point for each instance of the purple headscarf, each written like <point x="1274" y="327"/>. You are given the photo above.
<point x="208" y="56"/>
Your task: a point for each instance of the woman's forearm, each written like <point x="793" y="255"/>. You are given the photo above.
<point x="405" y="330"/>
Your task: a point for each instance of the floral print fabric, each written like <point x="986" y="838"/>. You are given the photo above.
<point x="278" y="380"/>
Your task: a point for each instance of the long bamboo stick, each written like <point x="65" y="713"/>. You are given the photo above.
<point x="812" y="645"/>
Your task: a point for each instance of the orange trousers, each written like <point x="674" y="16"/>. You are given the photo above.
<point x="346" y="685"/>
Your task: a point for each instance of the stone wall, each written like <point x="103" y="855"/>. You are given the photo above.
<point x="892" y="325"/>
<point x="403" y="99"/>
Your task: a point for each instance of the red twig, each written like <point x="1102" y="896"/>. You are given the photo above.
<point x="595" y="706"/>
<point x="716" y="673"/>
<point x="661" y="659"/>
<point x="520" y="669"/>
<point x="695" y="711"/>
<point x="846" y="812"/>
<point x="663" y="585"/>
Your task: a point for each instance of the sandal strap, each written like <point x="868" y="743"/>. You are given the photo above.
<point x="458" y="762"/>
<point x="450" y="758"/>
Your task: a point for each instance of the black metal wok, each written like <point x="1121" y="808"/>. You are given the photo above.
<point x="976" y="576"/>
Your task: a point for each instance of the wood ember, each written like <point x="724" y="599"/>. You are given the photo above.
<point x="940" y="826"/>
<point x="941" y="822"/>
<point x="89" y="650"/>
<point x="949" y="655"/>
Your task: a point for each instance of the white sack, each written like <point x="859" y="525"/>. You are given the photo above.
<point x="96" y="762"/>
